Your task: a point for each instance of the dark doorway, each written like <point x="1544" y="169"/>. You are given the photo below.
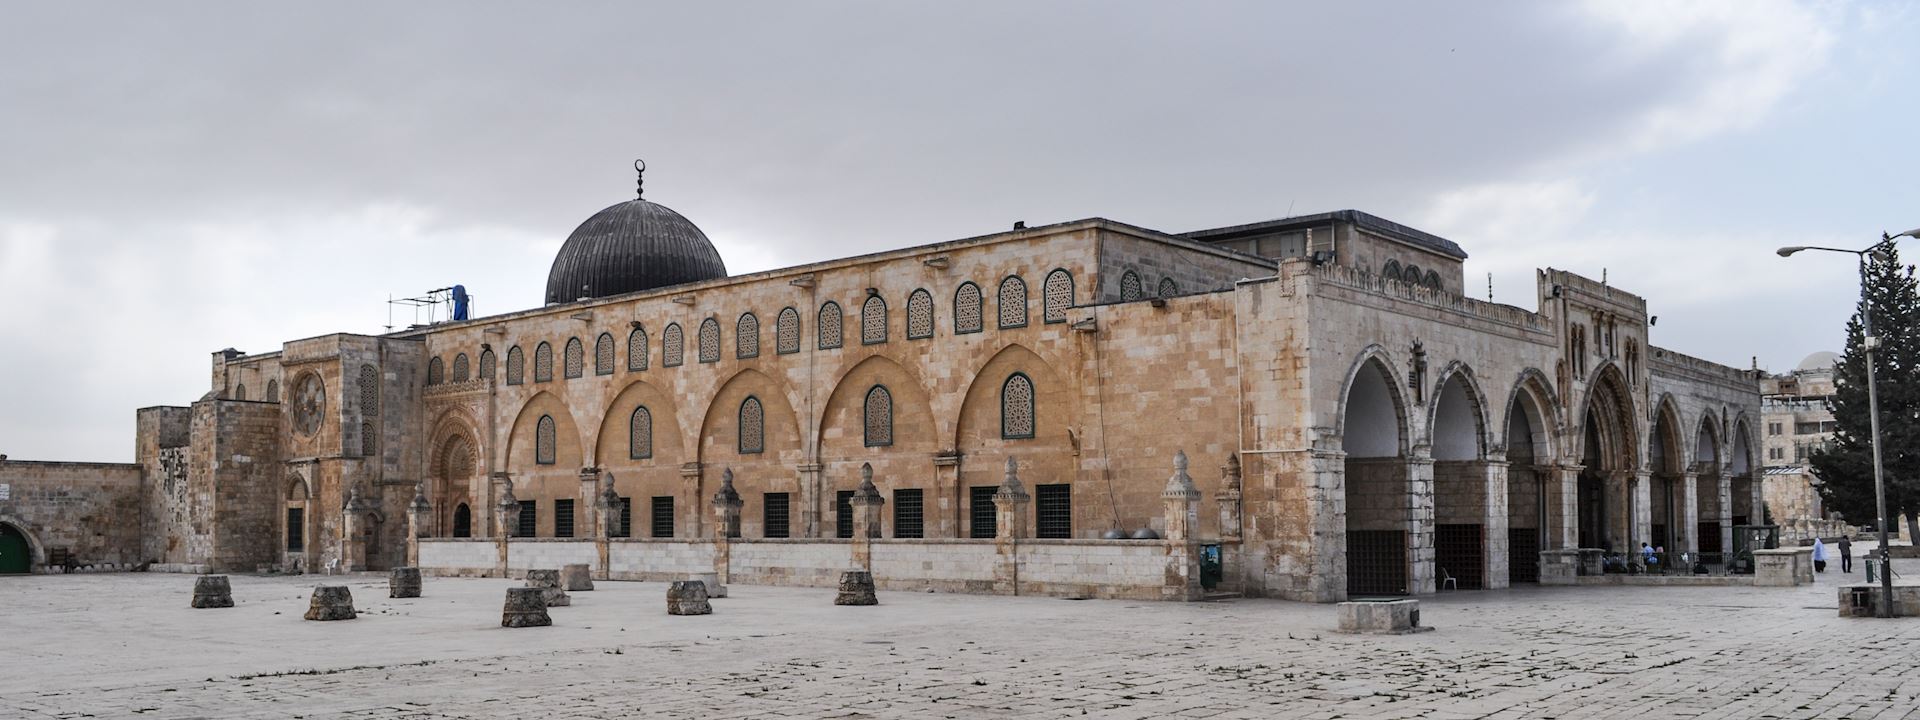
<point x="16" y="555"/>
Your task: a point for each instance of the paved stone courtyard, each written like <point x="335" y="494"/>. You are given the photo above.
<point x="127" y="645"/>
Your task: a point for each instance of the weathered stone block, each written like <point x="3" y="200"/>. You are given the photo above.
<point x="712" y="580"/>
<point x="576" y="577"/>
<point x="688" y="597"/>
<point x="403" y="582"/>
<point x="331" y="602"/>
<point x="525" y="607"/>
<point x="1391" y="617"/>
<point x="212" y="591"/>
<point x="549" y="583"/>
<point x="856" y="588"/>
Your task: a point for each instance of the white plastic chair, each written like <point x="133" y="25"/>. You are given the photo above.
<point x="1448" y="581"/>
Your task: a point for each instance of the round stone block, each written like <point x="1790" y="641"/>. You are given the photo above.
<point x="856" y="588"/>
<point x="688" y="597"/>
<point x="212" y="591"/>
<point x="526" y="607"/>
<point x="549" y="582"/>
<point x="575" y="578"/>
<point x="403" y="582"/>
<point x="331" y="602"/>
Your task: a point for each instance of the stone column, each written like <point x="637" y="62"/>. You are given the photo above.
<point x="497" y="484"/>
<point x="949" y="496"/>
<point x="1690" y="514"/>
<point x="1010" y="525"/>
<point x="1562" y="488"/>
<point x="1182" y="502"/>
<point x="588" y="503"/>
<point x="1420" y="520"/>
<point x="1642" y="499"/>
<point x="1616" y="492"/>
<point x="1323" y="541"/>
<point x="609" y="505"/>
<point x="1725" y="484"/>
<point x="419" y="513"/>
<point x="866" y="503"/>
<point x="1228" y="498"/>
<point x="687" y="505"/>
<point x="352" y="550"/>
<point x="726" y="526"/>
<point x="810" y="499"/>
<point x="506" y="513"/>
<point x="1493" y="536"/>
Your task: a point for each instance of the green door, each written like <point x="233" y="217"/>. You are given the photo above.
<point x="15" y="556"/>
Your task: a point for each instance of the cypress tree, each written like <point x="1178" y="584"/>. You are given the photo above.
<point x="1845" y="466"/>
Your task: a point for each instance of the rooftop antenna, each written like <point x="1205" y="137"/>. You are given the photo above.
<point x="640" y="181"/>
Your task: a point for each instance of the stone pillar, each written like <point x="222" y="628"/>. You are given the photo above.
<point x="949" y="496"/>
<point x="1493" y="536"/>
<point x="1323" y="544"/>
<point x="498" y="483"/>
<point x="1724" y="482"/>
<point x="588" y="503"/>
<point x="1617" y="493"/>
<point x="687" y="505"/>
<point x="1690" y="515"/>
<point x="810" y="499"/>
<point x="1562" y="488"/>
<point x="353" y="554"/>
<point x="866" y="503"/>
<point x="609" y="506"/>
<point x="1010" y="523"/>
<point x="1182" y="501"/>
<point x="726" y="526"/>
<point x="419" y="513"/>
<point x="506" y="514"/>
<point x="1420" y="521"/>
<point x="1642" y="498"/>
<point x="1228" y="498"/>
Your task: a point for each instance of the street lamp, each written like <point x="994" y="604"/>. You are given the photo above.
<point x="1868" y="342"/>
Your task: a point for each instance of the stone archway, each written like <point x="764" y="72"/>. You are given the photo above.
<point x="1532" y="495"/>
<point x="1379" y="500"/>
<point x="18" y="552"/>
<point x="1604" y="508"/>
<point x="1462" y="484"/>
<point x="1666" y="465"/>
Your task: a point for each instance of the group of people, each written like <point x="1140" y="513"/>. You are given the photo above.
<point x="1651" y="557"/>
<point x="1820" y="555"/>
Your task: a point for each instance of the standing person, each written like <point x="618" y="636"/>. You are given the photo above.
<point x="1846" y="554"/>
<point x="1819" y="556"/>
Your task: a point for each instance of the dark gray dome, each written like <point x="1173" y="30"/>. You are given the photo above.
<point x="633" y="246"/>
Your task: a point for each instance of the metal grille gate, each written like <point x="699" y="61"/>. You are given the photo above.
<point x="1376" y="562"/>
<point x="1457" y="549"/>
<point x="1523" y="555"/>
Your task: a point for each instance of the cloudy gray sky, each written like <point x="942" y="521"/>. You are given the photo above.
<point x="182" y="179"/>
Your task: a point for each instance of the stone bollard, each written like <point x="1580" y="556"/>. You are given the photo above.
<point x="715" y="590"/>
<point x="212" y="591"/>
<point x="549" y="581"/>
<point x="576" y="577"/>
<point x="856" y="588"/>
<point x="688" y="597"/>
<point x="1390" y="617"/>
<point x="526" y="607"/>
<point x="403" y="582"/>
<point x="331" y="602"/>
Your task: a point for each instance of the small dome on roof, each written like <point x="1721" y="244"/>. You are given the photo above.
<point x="1822" y="360"/>
<point x="633" y="246"/>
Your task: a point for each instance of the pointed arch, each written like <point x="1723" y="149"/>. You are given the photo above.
<point x="1707" y="447"/>
<point x="603" y="354"/>
<point x="1457" y="424"/>
<point x="613" y="450"/>
<point x="830" y="326"/>
<point x="968" y="313"/>
<point x="1130" y="286"/>
<point x="1056" y="296"/>
<point x="1533" y="396"/>
<point x="1379" y="408"/>
<point x="873" y="320"/>
<point x="638" y="348"/>
<point x="787" y="331"/>
<point x="521" y="443"/>
<point x="920" y="315"/>
<point x="673" y="346"/>
<point x="461" y="368"/>
<point x="1012" y="302"/>
<point x="543" y="362"/>
<point x="576" y="360"/>
<point x="1667" y="447"/>
<point x="980" y="411"/>
<point x="746" y="336"/>
<point x="719" y="439"/>
<point x="709" y="340"/>
<point x="1610" y="402"/>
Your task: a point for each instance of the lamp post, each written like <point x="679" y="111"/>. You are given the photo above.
<point x="1868" y="342"/>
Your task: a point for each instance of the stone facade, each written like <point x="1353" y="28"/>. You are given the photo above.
<point x="89" y="512"/>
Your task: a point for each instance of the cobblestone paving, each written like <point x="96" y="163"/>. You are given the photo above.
<point x="117" y="646"/>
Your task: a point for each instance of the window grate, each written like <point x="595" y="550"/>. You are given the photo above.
<point x="1523" y="555"/>
<point x="296" y="529"/>
<point x="909" y="519"/>
<point x="1053" y="511"/>
<point x="1457" y="548"/>
<point x="843" y="514"/>
<point x="1376" y="563"/>
<point x="981" y="521"/>
<point x="1710" y="538"/>
<point x="626" y="518"/>
<point x="563" y="518"/>
<point x="662" y="516"/>
<point x="529" y="519"/>
<point x="774" y="515"/>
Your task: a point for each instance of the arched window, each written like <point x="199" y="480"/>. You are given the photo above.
<point x="461" y="368"/>
<point x="709" y="340"/>
<point x="968" y="316"/>
<point x="436" y="371"/>
<point x="1410" y="274"/>
<point x="1391" y="270"/>
<point x="576" y="358"/>
<point x="753" y="426"/>
<point x="673" y="345"/>
<point x="543" y="441"/>
<point x="746" y="336"/>
<point x="240" y="391"/>
<point x="369" y="440"/>
<point x="1168" y="288"/>
<point x="879" y="417"/>
<point x="273" y="391"/>
<point x="1013" y="302"/>
<point x="486" y="364"/>
<point x="637" y="348"/>
<point x="830" y="327"/>
<point x="1056" y="296"/>
<point x="516" y="366"/>
<point x="1130" y="289"/>
<point x="1432" y="280"/>
<point x="873" y="321"/>
<point x="603" y="354"/>
<point x="787" y="332"/>
<point x="369" y="391"/>
<point x="919" y="315"/>
<point x="640" y="434"/>
<point x="542" y="362"/>
<point x="1016" y="407"/>
<point x="462" y="521"/>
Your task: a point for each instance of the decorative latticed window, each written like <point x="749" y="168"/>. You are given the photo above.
<point x="369" y="391"/>
<point x="576" y="358"/>
<point x="486" y="364"/>
<point x="273" y="390"/>
<point x="516" y="366"/>
<point x="436" y="371"/>
<point x="369" y="440"/>
<point x="544" y="440"/>
<point x="968" y="317"/>
<point x="673" y="346"/>
<point x="1168" y="288"/>
<point x="879" y="417"/>
<point x="1016" y="407"/>
<point x="830" y="327"/>
<point x="542" y="362"/>
<point x="873" y="321"/>
<point x="746" y="336"/>
<point x="1013" y="302"/>
<point x="640" y="434"/>
<point x="709" y="340"/>
<point x="637" y="349"/>
<point x="1130" y="289"/>
<point x="787" y="332"/>
<point x="753" y="426"/>
<point x="603" y="354"/>
<point x="919" y="315"/>
<point x="460" y="368"/>
<point x="1056" y="296"/>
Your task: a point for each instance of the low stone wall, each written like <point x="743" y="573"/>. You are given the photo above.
<point x="466" y="557"/>
<point x="960" y="566"/>
<point x="805" y="562"/>
<point x="525" y="554"/>
<point x="659" y="560"/>
<point x="88" y="511"/>
<point x="1092" y="568"/>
